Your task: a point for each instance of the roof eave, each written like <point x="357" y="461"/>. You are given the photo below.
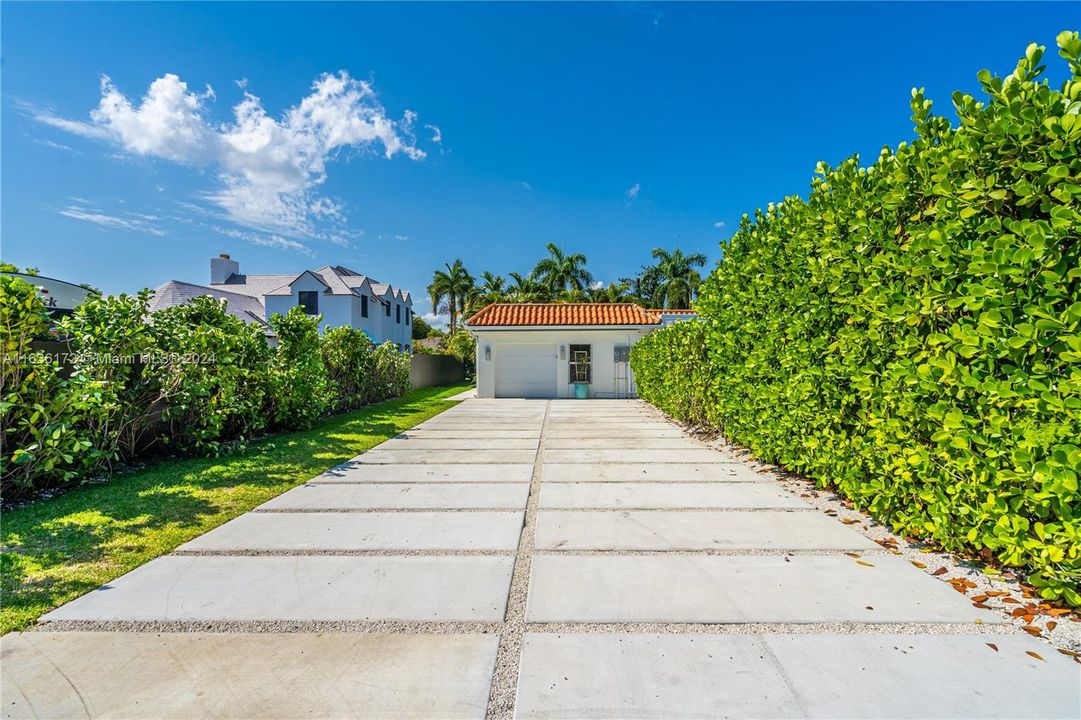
<point x="637" y="326"/>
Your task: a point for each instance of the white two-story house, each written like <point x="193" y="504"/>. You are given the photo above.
<point x="341" y="296"/>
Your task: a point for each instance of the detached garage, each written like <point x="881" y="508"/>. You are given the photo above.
<point x="541" y="350"/>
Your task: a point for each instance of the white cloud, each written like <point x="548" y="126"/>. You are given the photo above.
<point x="633" y="190"/>
<point x="264" y="240"/>
<point x="719" y="224"/>
<point x="168" y="123"/>
<point x="437" y="321"/>
<point x="597" y="285"/>
<point x="401" y="237"/>
<point x="524" y="185"/>
<point x="267" y="169"/>
<point x="135" y="222"/>
<point x="58" y="146"/>
<point x="437" y="134"/>
<point x="72" y="126"/>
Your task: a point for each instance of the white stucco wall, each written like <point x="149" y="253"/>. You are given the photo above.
<point x="602" y="341"/>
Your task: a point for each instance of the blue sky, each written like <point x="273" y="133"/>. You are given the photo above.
<point x="607" y="128"/>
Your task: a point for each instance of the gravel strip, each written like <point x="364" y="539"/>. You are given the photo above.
<point x="415" y="552"/>
<point x="454" y="628"/>
<point x="722" y="552"/>
<point x="625" y="508"/>
<point x="301" y="511"/>
<point x="775" y="628"/>
<point x="270" y="626"/>
<point x="505" y="674"/>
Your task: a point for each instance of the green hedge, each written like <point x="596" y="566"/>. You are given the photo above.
<point x="189" y="380"/>
<point x="909" y="333"/>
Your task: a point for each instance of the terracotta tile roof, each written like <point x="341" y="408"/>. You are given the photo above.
<point x="672" y="311"/>
<point x="540" y="314"/>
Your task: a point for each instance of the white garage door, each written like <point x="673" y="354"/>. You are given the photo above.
<point x="525" y="371"/>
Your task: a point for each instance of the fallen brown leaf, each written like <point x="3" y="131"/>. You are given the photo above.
<point x="980" y="598"/>
<point x="1071" y="653"/>
<point x="861" y="562"/>
<point x="852" y="554"/>
<point x="981" y="606"/>
<point x="940" y="571"/>
<point x="1032" y="630"/>
<point x="992" y="646"/>
<point x="1035" y="655"/>
<point x="1051" y="625"/>
<point x="918" y="564"/>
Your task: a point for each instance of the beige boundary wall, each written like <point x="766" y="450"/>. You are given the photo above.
<point x="430" y="370"/>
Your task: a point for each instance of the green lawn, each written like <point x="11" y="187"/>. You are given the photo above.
<point x="57" y="549"/>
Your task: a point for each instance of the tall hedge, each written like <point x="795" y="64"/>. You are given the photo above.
<point x="909" y="333"/>
<point x="191" y="379"/>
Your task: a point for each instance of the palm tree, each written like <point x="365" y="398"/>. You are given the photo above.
<point x="612" y="293"/>
<point x="561" y="272"/>
<point x="573" y="295"/>
<point x="679" y="280"/>
<point x="494" y="286"/>
<point x="492" y="289"/>
<point x="450" y="290"/>
<point x="642" y="288"/>
<point x="526" y="289"/>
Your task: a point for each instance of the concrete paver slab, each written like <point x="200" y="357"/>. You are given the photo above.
<point x="648" y="472"/>
<point x="308" y="587"/>
<point x="791" y="676"/>
<point x="473" y="443"/>
<point x="469" y="433"/>
<point x="690" y="455"/>
<point x="706" y="530"/>
<point x="587" y="431"/>
<point x="424" y="457"/>
<point x="343" y="496"/>
<point x="666" y="495"/>
<point x="365" y="531"/>
<point x="585" y="443"/>
<point x="603" y="415"/>
<point x="354" y="472"/>
<point x="210" y="675"/>
<point x="607" y="421"/>
<point x="534" y="428"/>
<point x="740" y="589"/>
<point x="488" y="418"/>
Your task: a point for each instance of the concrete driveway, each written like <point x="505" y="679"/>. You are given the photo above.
<point x="536" y="559"/>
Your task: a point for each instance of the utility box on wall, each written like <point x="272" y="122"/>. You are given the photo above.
<point x="622" y="353"/>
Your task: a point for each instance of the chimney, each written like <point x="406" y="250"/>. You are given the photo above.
<point x="221" y="268"/>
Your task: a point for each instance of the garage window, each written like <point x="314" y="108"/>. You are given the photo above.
<point x="580" y="364"/>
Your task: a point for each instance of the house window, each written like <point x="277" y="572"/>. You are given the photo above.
<point x="364" y="306"/>
<point x="408" y="318"/>
<point x="581" y="369"/>
<point x="309" y="300"/>
<point x="398" y="314"/>
<point x="387" y="308"/>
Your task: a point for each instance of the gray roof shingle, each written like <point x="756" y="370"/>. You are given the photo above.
<point x="175" y="293"/>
